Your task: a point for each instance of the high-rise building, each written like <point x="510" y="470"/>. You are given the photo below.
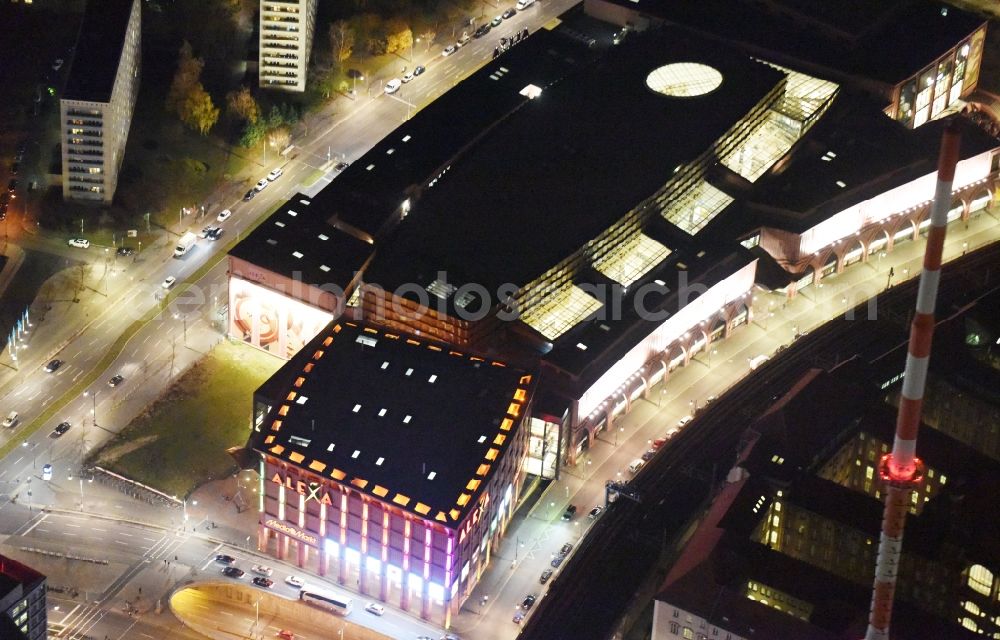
<point x="22" y="602"/>
<point x="286" y="34"/>
<point x="96" y="110"/>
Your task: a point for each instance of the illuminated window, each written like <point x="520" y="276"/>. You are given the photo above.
<point x="684" y="80"/>
<point x="980" y="579"/>
<point x="561" y="311"/>
<point x="632" y="259"/>
<point x="696" y="207"/>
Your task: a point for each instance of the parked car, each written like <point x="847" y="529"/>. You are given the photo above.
<point x="79" y="243"/>
<point x="116" y="380"/>
<point x="518" y="617"/>
<point x="556" y="561"/>
<point x="223" y="558"/>
<point x="450" y="49"/>
<point x="261" y="185"/>
<point x="169" y="281"/>
<point x="61" y="429"/>
<point x="648" y="455"/>
<point x="596" y="511"/>
<point x="53" y="365"/>
<point x="262" y="570"/>
<point x="464" y="40"/>
<point x="393" y="85"/>
<point x="419" y="69"/>
<point x="636" y="464"/>
<point x="482" y="31"/>
<point x="528" y="602"/>
<point x="274" y="175"/>
<point x="47" y="472"/>
<point x="248" y="196"/>
<point x="340" y="166"/>
<point x="509" y="13"/>
<point x="125" y="251"/>
<point x="377" y="609"/>
<point x="545" y="576"/>
<point x="659" y="442"/>
<point x="11" y="420"/>
<point x="295" y="581"/>
<point x="264" y="583"/>
<point x="683" y="422"/>
<point x="407" y="78"/>
<point x="496" y="21"/>
<point x="285" y="634"/>
<point x="566" y="548"/>
<point x="233" y="572"/>
<point x="569" y="512"/>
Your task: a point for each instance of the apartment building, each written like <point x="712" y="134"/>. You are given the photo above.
<point x="286" y="35"/>
<point x="96" y="109"/>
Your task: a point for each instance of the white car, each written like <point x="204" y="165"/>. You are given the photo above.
<point x="684" y="421"/>
<point x="11" y="420"/>
<point x="393" y="85"/>
<point x="275" y="174"/>
<point x="295" y="581"/>
<point x="79" y="243"/>
<point x="407" y="78"/>
<point x="262" y="570"/>
<point x="47" y="472"/>
<point x="169" y="282"/>
<point x="450" y="49"/>
<point x="262" y="184"/>
<point x="223" y="215"/>
<point x="377" y="609"/>
<point x="57" y="65"/>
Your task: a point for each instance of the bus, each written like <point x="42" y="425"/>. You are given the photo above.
<point x="326" y="600"/>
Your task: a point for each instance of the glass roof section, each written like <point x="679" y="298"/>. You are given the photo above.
<point x="561" y="311"/>
<point x="696" y="207"/>
<point x="684" y="79"/>
<point x="632" y="259"/>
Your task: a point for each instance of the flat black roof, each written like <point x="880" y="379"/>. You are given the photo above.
<point x="564" y="167"/>
<point x="408" y="421"/>
<point x="98" y="51"/>
<point x="887" y="41"/>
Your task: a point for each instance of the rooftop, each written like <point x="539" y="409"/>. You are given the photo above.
<point x="14" y="574"/>
<point x="98" y="51"/>
<point x="410" y="422"/>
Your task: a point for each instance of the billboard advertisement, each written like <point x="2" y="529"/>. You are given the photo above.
<point x="271" y="321"/>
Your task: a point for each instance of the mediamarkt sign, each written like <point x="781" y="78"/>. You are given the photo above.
<point x="311" y="490"/>
<point x="289" y="530"/>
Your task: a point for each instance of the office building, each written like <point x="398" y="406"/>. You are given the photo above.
<point x="286" y="37"/>
<point x="22" y="602"/>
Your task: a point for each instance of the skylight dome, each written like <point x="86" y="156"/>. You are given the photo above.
<point x="684" y="80"/>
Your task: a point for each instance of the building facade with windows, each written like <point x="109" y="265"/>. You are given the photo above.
<point x="392" y="463"/>
<point x="23" y="615"/>
<point x="95" y="112"/>
<point x="286" y="37"/>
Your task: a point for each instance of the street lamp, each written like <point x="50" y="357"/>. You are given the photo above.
<point x="94" y="410"/>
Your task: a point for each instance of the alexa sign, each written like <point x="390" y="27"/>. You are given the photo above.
<point x="311" y="490"/>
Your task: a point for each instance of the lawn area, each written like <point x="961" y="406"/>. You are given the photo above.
<point x="181" y="440"/>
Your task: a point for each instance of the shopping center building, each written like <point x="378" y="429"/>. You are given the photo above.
<point x="391" y="463"/>
<point x="603" y="213"/>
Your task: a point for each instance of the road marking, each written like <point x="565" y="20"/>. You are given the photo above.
<point x="69" y="524"/>
<point x="120" y="542"/>
<point x="228" y="613"/>
<point x="67" y="533"/>
<point x="35" y="525"/>
<point x="125" y="534"/>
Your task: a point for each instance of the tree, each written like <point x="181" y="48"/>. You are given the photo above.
<point x="253" y="133"/>
<point x="398" y="38"/>
<point x="198" y="112"/>
<point x="341" y="41"/>
<point x="242" y="105"/>
<point x="278" y="138"/>
<point x="185" y="79"/>
<point x="428" y="37"/>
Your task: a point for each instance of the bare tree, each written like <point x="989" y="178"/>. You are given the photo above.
<point x="341" y="41"/>
<point x="427" y="37"/>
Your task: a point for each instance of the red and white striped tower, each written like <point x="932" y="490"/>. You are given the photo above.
<point x="901" y="471"/>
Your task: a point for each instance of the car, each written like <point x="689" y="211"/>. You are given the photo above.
<point x="393" y="85"/>
<point x="710" y="399"/>
<point x="47" y="472"/>
<point x="53" y="365"/>
<point x="274" y="175"/>
<point x="248" y="196"/>
<point x="545" y="576"/>
<point x="569" y="512"/>
<point x="407" y="78"/>
<point x="125" y="251"/>
<point x="636" y="464"/>
<point x="482" y="31"/>
<point x="12" y="185"/>
<point x="233" y="572"/>
<point x="295" y="581"/>
<point x="216" y="233"/>
<point x="518" y="617"/>
<point x="648" y="455"/>
<point x="207" y="230"/>
<point x="262" y="570"/>
<point x="418" y="70"/>
<point x="79" y="243"/>
<point x="261" y="185"/>
<point x="116" y="380"/>
<point x="285" y="634"/>
<point x="59" y="430"/>
<point x="509" y="13"/>
<point x="450" y="636"/>
<point x="659" y="442"/>
<point x="528" y="602"/>
<point x="11" y="420"/>
<point x="57" y="65"/>
<point x="340" y="166"/>
<point x="556" y="561"/>
<point x="757" y="361"/>
<point x="565" y="549"/>
<point x="496" y="21"/>
<point x="596" y="511"/>
<point x="224" y="558"/>
<point x="168" y="282"/>
<point x="264" y="583"/>
<point x="377" y="609"/>
<point x="3" y="207"/>
<point x="686" y="420"/>
<point x="672" y="432"/>
<point x="450" y="49"/>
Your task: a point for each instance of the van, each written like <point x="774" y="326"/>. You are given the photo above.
<point x="524" y="4"/>
<point x="11" y="420"/>
<point x="635" y="465"/>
